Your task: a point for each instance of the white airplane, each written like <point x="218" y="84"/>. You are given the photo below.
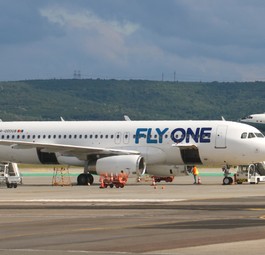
<point x="131" y="147"/>
<point x="255" y="120"/>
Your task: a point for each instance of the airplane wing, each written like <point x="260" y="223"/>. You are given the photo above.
<point x="80" y="152"/>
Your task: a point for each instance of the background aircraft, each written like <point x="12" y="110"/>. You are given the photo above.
<point x="255" y="120"/>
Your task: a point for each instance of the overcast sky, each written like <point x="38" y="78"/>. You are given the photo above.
<point x="197" y="40"/>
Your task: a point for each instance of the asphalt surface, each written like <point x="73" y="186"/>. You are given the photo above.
<point x="176" y="218"/>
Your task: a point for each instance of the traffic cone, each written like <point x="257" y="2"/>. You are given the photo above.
<point x="102" y="186"/>
<point x="199" y="180"/>
<point x="153" y="182"/>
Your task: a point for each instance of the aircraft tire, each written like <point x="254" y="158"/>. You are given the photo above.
<point x="226" y="181"/>
<point x="82" y="179"/>
<point x="90" y="179"/>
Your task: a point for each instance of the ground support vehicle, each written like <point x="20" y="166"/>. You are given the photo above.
<point x="10" y="175"/>
<point x="253" y="173"/>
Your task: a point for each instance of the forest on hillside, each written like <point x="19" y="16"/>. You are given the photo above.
<point x="97" y="99"/>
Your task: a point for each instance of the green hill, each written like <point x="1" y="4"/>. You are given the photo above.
<point x="111" y="99"/>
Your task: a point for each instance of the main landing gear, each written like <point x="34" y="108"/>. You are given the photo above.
<point x="85" y="179"/>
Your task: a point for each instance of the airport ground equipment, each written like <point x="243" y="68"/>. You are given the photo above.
<point x="163" y="178"/>
<point x="61" y="177"/>
<point x="10" y="175"/>
<point x="117" y="180"/>
<point x="253" y="173"/>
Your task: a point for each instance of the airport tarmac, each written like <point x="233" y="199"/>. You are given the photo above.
<point x="175" y="218"/>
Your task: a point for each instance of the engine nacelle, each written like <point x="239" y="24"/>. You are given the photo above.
<point x="165" y="170"/>
<point x="128" y="164"/>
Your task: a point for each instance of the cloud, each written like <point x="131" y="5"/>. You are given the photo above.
<point x="212" y="40"/>
<point x="100" y="38"/>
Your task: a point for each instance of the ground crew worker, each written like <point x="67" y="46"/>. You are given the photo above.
<point x="195" y="173"/>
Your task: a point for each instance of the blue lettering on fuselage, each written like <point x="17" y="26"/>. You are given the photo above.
<point x="178" y="135"/>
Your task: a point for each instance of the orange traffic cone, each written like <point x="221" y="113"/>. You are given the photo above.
<point x="199" y="180"/>
<point x="102" y="186"/>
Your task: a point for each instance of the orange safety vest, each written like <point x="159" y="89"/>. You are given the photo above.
<point x="195" y="170"/>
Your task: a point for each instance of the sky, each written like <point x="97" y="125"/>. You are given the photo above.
<point x="181" y="40"/>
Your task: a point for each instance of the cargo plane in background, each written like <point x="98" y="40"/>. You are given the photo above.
<point x="159" y="148"/>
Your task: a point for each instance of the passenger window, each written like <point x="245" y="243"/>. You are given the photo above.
<point x="244" y="135"/>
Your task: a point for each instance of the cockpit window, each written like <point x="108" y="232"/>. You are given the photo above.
<point x="244" y="135"/>
<point x="251" y="135"/>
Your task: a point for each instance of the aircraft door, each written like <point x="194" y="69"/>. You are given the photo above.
<point x="190" y="156"/>
<point x="220" y="138"/>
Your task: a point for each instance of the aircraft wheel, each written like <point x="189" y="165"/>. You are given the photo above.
<point x="82" y="179"/>
<point x="15" y="185"/>
<point x="90" y="179"/>
<point x="226" y="181"/>
<point x="231" y="180"/>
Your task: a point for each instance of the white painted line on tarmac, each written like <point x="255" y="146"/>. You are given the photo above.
<point x="94" y="200"/>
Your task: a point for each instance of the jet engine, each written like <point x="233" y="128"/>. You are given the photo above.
<point x="113" y="165"/>
<point x="128" y="164"/>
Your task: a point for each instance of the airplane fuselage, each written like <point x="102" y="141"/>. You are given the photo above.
<point x="159" y="142"/>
